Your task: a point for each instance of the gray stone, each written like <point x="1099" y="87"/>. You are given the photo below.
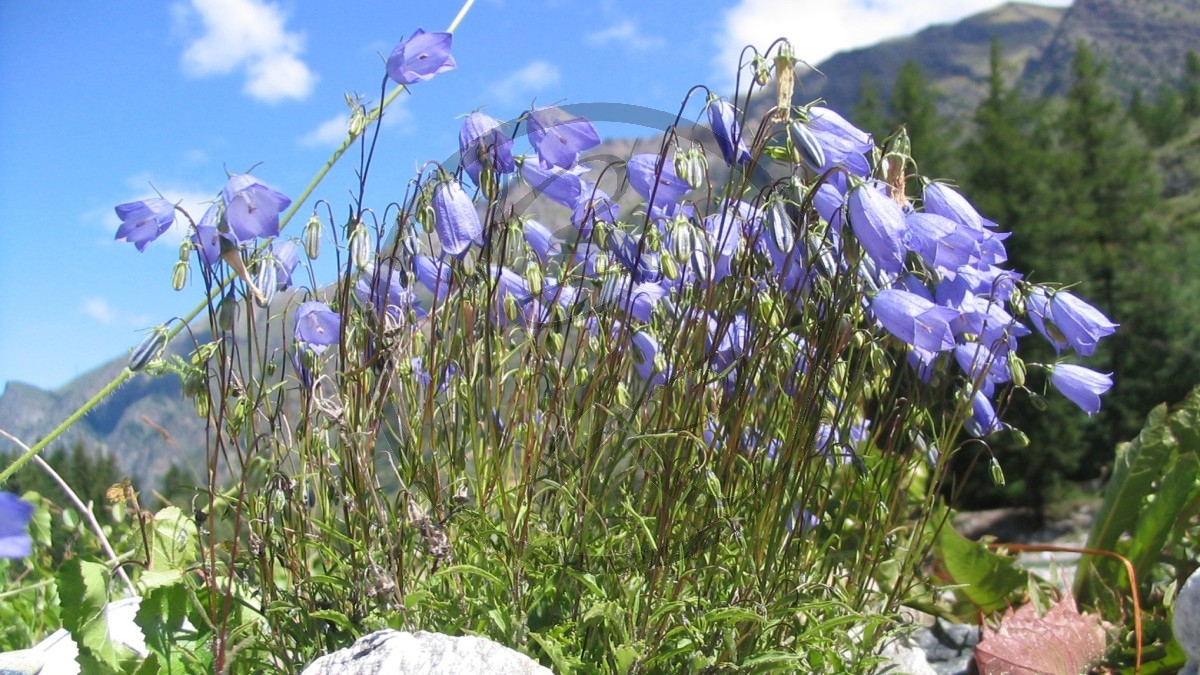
<point x="391" y="652"/>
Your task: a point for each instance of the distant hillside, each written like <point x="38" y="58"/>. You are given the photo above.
<point x="954" y="58"/>
<point x="1145" y="43"/>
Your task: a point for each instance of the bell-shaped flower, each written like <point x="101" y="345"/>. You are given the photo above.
<point x="947" y="202"/>
<point x="655" y="180"/>
<point x="317" y="325"/>
<point x="593" y="205"/>
<point x="14" y="519"/>
<point x="420" y="57"/>
<point x="541" y="241"/>
<point x="1065" y="320"/>
<point x="983" y="420"/>
<point x="561" y="186"/>
<point x="722" y="119"/>
<point x="940" y="242"/>
<point x="286" y="255"/>
<point x="843" y="143"/>
<point x="831" y="206"/>
<point x="384" y="290"/>
<point x="648" y="359"/>
<point x="983" y="363"/>
<point x="143" y="222"/>
<point x="455" y="218"/>
<point x="558" y="136"/>
<point x="481" y="144"/>
<point x="878" y="223"/>
<point x="915" y="320"/>
<point x="252" y="209"/>
<point x="206" y="238"/>
<point x="1082" y="385"/>
<point x="434" y="274"/>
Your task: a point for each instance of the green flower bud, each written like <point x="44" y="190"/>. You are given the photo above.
<point x="487" y="182"/>
<point x="311" y="237"/>
<point x="533" y="275"/>
<point x="359" y="245"/>
<point x="669" y="269"/>
<point x="185" y="250"/>
<point x="997" y="472"/>
<point x="1017" y="367"/>
<point x="227" y="312"/>
<point x="179" y="275"/>
<point x="149" y="349"/>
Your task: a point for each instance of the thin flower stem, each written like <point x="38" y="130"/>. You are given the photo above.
<point x="125" y="374"/>
<point x="83" y="509"/>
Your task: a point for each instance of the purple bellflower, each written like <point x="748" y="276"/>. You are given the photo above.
<point x="317" y="325"/>
<point x="456" y="219"/>
<point x="1065" y="320"/>
<point x="722" y="119"/>
<point x="420" y="57"/>
<point x="558" y="136"/>
<point x="915" y="320"/>
<point x="383" y="289"/>
<point x="649" y="179"/>
<point x="14" y="519"/>
<point x="541" y="240"/>
<point x="481" y="144"/>
<point x="983" y="419"/>
<point x="287" y="256"/>
<point x="206" y="238"/>
<point x="143" y="222"/>
<point x="878" y="222"/>
<point x="252" y="209"/>
<point x="434" y="275"/>
<point x="561" y="186"/>
<point x="1082" y="385"/>
<point x="843" y="143"/>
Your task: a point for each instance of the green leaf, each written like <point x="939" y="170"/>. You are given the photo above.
<point x="1178" y="485"/>
<point x="1137" y="466"/>
<point x="338" y="618"/>
<point x="989" y="581"/>
<point x="160" y="616"/>
<point x="82" y="598"/>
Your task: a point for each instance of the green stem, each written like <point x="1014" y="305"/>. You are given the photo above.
<point x="125" y="374"/>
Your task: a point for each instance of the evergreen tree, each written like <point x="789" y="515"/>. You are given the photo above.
<point x="913" y="103"/>
<point x="870" y="113"/>
<point x="1191" y="85"/>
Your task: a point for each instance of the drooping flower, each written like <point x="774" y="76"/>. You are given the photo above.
<point x="649" y="179"/>
<point x="983" y="420"/>
<point x="420" y="57"/>
<point x="562" y="186"/>
<point x="14" y="519"/>
<point x="317" y="325"/>
<point x="648" y="359"/>
<point x="287" y="255"/>
<point x="143" y="222"/>
<point x="252" y="209"/>
<point x="543" y="242"/>
<point x="481" y="144"/>
<point x="593" y="205"/>
<point x="558" y="136"/>
<point x="722" y="119"/>
<point x="945" y="201"/>
<point x="457" y="221"/>
<point x="384" y="290"/>
<point x="434" y="275"/>
<point x="915" y="320"/>
<point x="1082" y="385"/>
<point x="1065" y="320"/>
<point x="206" y="237"/>
<point x="878" y="222"/>
<point x="843" y="143"/>
<point x="940" y="242"/>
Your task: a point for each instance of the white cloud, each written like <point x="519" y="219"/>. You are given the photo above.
<point x="248" y="35"/>
<point x="624" y="33"/>
<point x="818" y="29"/>
<point x="526" y="82"/>
<point x="101" y="310"/>
<point x="331" y="132"/>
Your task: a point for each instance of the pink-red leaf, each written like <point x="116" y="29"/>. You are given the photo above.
<point x="1060" y="642"/>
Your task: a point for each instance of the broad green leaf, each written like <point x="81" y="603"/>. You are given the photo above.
<point x="1137" y="466"/>
<point x="82" y="598"/>
<point x="1185" y="423"/>
<point x="989" y="581"/>
<point x="338" y="618"/>
<point x="174" y="540"/>
<point x="161" y="615"/>
<point x="1175" y="490"/>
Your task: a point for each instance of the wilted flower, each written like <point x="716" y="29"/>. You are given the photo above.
<point x="481" y="144"/>
<point x="1082" y="385"/>
<point x="143" y="222"/>
<point x="14" y="519"/>
<point x="455" y="218"/>
<point x="317" y="325"/>
<point x="252" y="209"/>
<point x="722" y="119"/>
<point x="558" y="136"/>
<point x="420" y="57"/>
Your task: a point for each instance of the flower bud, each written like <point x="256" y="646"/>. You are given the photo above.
<point x="533" y="276"/>
<point x="511" y="311"/>
<point x="149" y="349"/>
<point x="695" y="167"/>
<point x="1016" y="366"/>
<point x="227" y="312"/>
<point x="185" y="250"/>
<point x="359" y="245"/>
<point x="311" y="237"/>
<point x="810" y="148"/>
<point x="179" y="275"/>
<point x="997" y="472"/>
<point x="487" y="182"/>
<point x="267" y="280"/>
<point x="669" y="268"/>
<point x="762" y="71"/>
<point x="780" y="225"/>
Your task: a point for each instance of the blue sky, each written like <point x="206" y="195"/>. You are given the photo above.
<point x="103" y="100"/>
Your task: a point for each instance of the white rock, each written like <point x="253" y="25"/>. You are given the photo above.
<point x="1186" y="622"/>
<point x="394" y="652"/>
